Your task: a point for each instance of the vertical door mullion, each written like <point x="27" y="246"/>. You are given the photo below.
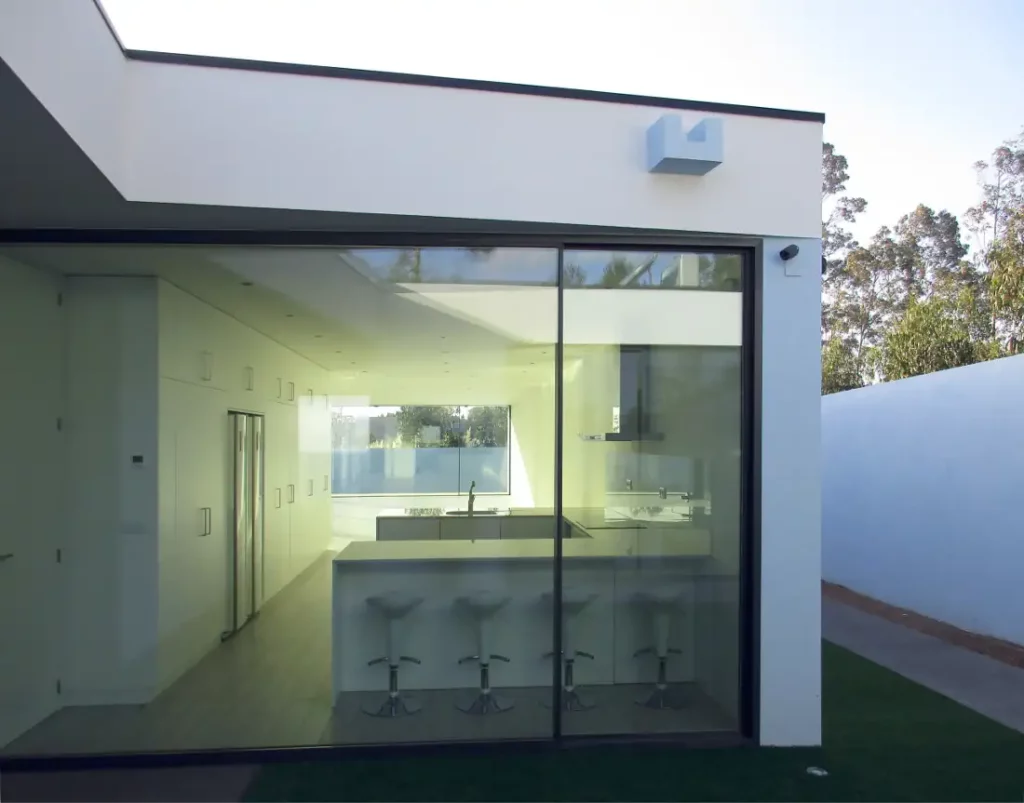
<point x="556" y="690"/>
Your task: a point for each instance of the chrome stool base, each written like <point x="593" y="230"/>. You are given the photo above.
<point x="663" y="698"/>
<point x="571" y="701"/>
<point x="393" y="707"/>
<point x="484" y="703"/>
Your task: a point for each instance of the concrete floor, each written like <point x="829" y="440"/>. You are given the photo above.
<point x="988" y="686"/>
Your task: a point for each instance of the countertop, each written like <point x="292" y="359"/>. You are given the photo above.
<point x="628" y="543"/>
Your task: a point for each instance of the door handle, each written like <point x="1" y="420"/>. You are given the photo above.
<point x="6" y="557"/>
<point x="207" y="521"/>
<point x="291" y="494"/>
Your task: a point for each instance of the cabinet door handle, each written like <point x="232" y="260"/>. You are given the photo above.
<point x="310" y="488"/>
<point x="291" y="494"/>
<point x="277" y="497"/>
<point x="326" y="484"/>
<point x="207" y="521"/>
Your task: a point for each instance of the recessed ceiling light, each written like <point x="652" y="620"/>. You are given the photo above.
<point x="351" y="363"/>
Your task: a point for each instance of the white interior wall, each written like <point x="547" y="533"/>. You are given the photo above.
<point x="210" y="364"/>
<point x="32" y="495"/>
<point x="921" y="484"/>
<point x="111" y="555"/>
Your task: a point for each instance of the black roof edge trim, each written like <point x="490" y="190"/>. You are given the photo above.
<point x="351" y="74"/>
<point x="109" y="23"/>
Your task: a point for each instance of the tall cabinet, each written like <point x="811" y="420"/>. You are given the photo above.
<point x="209" y="366"/>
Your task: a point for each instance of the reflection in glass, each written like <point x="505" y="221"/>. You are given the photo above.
<point x="653" y="270"/>
<point x="651" y="466"/>
<point x="398" y="591"/>
<point x="406" y="406"/>
<point x="507" y="267"/>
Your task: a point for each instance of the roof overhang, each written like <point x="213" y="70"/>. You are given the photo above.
<point x="104" y="137"/>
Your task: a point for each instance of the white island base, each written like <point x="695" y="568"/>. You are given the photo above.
<point x="613" y="564"/>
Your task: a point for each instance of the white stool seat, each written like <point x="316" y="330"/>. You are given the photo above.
<point x="574" y="600"/>
<point x="394" y="604"/>
<point x="661" y="603"/>
<point x="484" y="604"/>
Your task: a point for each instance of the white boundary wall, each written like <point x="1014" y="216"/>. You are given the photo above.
<point x="923" y="495"/>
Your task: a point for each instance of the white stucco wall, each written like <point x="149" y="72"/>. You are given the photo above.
<point x="192" y="135"/>
<point x="791" y="496"/>
<point x="166" y="133"/>
<point x="921" y="491"/>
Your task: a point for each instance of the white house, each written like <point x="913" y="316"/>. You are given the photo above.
<point x="307" y="367"/>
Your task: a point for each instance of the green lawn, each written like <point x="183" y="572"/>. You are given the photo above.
<point x="886" y="738"/>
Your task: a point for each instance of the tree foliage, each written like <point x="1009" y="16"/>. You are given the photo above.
<point x="417" y="423"/>
<point x="914" y="299"/>
<point x="925" y="338"/>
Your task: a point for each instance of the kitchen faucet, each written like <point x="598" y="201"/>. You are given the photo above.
<point x="472" y="497"/>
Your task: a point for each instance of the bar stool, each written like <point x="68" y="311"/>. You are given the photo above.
<point x="573" y="603"/>
<point x="393" y="605"/>
<point x="483" y="605"/>
<point x="660" y="604"/>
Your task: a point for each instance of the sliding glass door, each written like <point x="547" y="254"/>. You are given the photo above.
<point x="651" y="466"/>
<point x="502" y="494"/>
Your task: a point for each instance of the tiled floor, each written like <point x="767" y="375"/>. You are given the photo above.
<point x="614" y="712"/>
<point x="270" y="686"/>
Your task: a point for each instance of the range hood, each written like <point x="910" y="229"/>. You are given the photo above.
<point x="634" y="396"/>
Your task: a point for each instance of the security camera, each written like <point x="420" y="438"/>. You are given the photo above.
<point x="789" y="252"/>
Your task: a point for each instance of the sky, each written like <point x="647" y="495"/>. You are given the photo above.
<point x="914" y="92"/>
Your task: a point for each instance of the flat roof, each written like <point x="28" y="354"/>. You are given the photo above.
<point x="468" y="83"/>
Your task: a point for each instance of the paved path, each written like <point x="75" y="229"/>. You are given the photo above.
<point x="989" y="687"/>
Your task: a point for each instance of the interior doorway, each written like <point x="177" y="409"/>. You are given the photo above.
<point x="246" y="535"/>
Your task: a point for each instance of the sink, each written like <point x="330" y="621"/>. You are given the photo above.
<point x="474" y="513"/>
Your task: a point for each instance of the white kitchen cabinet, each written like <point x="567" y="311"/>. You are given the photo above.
<point x="408" y="528"/>
<point x="277" y="536"/>
<point x="470" y="528"/>
<point x="517" y="527"/>
<point x="197" y="551"/>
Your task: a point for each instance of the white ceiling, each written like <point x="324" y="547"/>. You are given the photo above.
<point x="314" y="303"/>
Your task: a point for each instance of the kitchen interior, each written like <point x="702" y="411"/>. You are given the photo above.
<point x="418" y="601"/>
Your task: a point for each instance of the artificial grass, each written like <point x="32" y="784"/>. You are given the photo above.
<point x="886" y="738"/>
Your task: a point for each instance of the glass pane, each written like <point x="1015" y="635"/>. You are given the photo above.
<point x="419" y="449"/>
<point x="650" y="473"/>
<point x="288" y="432"/>
<point x="638" y="270"/>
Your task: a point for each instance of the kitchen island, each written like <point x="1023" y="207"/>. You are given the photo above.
<point x="609" y="558"/>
